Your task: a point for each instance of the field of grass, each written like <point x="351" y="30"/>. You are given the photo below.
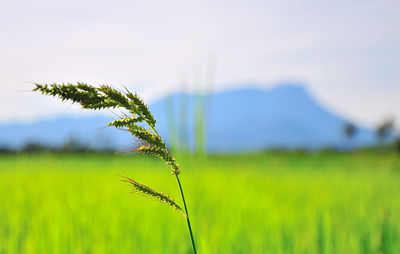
<point x="259" y="203"/>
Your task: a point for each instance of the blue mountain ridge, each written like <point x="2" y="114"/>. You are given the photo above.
<point x="245" y="119"/>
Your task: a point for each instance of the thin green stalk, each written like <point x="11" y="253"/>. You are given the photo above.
<point x="187" y="215"/>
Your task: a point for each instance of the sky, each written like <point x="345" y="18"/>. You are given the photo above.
<point x="347" y="53"/>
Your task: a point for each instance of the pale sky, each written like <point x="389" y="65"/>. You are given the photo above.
<point x="346" y="52"/>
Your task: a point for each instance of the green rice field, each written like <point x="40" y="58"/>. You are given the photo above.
<point x="272" y="202"/>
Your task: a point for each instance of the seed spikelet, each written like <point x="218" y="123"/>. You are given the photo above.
<point x="136" y="186"/>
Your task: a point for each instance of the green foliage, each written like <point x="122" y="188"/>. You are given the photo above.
<point x="384" y="130"/>
<point x="266" y="203"/>
<point x="349" y="130"/>
<point x="388" y="237"/>
<point x="396" y="145"/>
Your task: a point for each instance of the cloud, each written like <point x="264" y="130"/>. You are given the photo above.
<point x="347" y="52"/>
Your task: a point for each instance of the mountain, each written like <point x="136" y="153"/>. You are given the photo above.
<point x="254" y="118"/>
<point x="236" y="120"/>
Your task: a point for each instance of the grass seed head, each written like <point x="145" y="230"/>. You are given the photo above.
<point x="149" y="192"/>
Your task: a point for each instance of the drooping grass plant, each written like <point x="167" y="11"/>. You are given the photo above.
<point x="90" y="97"/>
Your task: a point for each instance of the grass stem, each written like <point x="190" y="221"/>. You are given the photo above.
<point x="187" y="215"/>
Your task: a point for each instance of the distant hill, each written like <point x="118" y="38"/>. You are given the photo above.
<point x="236" y="120"/>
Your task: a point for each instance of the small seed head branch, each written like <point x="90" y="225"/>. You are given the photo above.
<point x="136" y="186"/>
